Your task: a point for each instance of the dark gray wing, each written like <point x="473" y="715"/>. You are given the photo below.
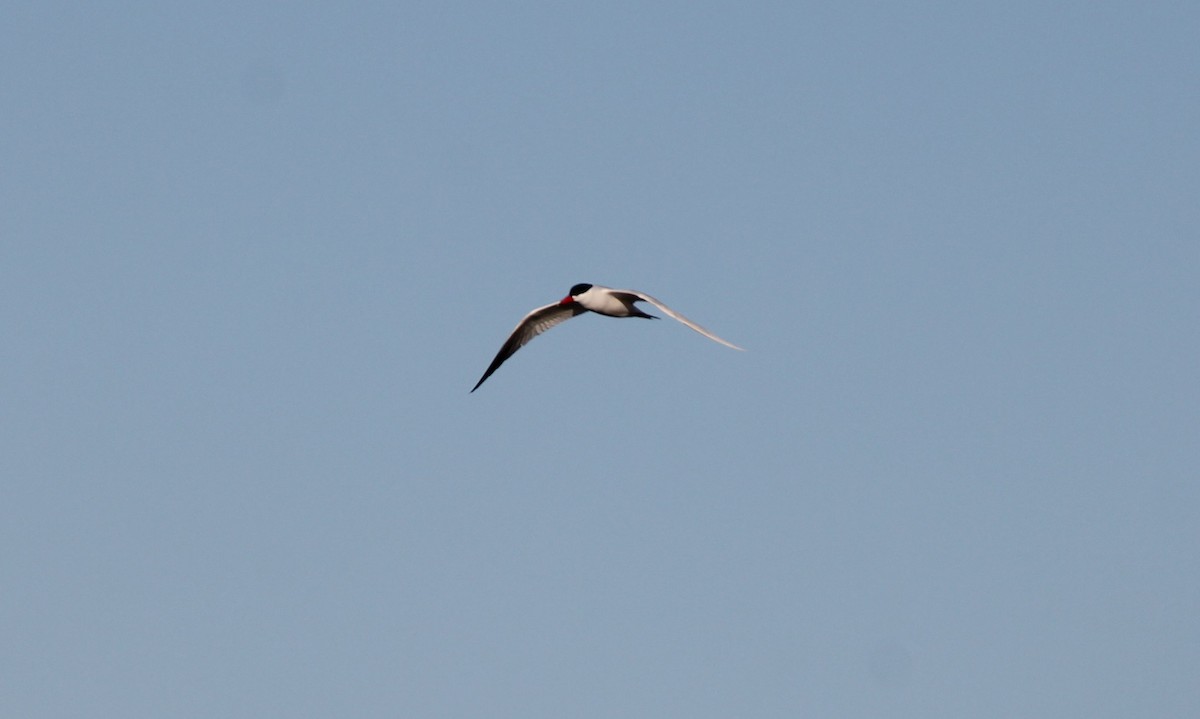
<point x="532" y="325"/>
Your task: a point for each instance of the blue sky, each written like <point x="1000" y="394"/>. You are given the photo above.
<point x="253" y="257"/>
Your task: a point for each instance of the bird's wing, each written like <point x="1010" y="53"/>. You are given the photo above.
<point x="676" y="316"/>
<point x="530" y="326"/>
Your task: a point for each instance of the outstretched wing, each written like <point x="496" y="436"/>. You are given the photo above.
<point x="532" y="325"/>
<point x="676" y="316"/>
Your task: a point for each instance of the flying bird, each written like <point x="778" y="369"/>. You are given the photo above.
<point x="585" y="298"/>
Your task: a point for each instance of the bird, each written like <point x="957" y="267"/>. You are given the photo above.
<point x="583" y="298"/>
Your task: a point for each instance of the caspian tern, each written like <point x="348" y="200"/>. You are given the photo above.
<point x="585" y="298"/>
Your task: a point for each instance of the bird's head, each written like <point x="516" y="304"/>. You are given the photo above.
<point x="577" y="290"/>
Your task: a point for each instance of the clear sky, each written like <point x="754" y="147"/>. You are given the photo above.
<point x="254" y="255"/>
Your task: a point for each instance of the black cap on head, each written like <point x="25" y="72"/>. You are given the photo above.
<point x="579" y="289"/>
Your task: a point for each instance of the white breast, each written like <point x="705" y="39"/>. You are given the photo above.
<point x="599" y="299"/>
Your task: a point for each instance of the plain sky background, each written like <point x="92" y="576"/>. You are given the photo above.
<point x="254" y="255"/>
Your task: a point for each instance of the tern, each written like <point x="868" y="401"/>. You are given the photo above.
<point x="585" y="298"/>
